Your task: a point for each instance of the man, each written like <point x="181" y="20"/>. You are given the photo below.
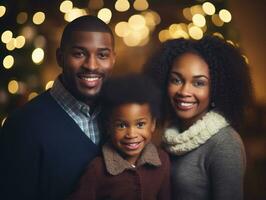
<point x="46" y="145"/>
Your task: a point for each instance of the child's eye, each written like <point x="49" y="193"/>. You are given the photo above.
<point x="141" y="124"/>
<point x="120" y="125"/>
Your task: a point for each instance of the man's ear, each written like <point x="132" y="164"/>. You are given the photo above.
<point x="60" y="57"/>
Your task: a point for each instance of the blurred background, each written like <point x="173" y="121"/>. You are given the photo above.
<point x="30" y="31"/>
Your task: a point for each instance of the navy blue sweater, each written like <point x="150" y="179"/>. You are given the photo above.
<point x="43" y="152"/>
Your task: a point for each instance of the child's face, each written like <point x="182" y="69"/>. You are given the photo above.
<point x="131" y="129"/>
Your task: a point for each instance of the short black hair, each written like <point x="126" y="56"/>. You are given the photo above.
<point x="231" y="88"/>
<point x="85" y="23"/>
<point x="131" y="88"/>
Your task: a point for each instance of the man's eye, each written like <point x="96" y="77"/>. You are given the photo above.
<point x="141" y="124"/>
<point x="78" y="54"/>
<point x="103" y="55"/>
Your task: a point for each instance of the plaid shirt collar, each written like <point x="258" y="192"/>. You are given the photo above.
<point x="69" y="102"/>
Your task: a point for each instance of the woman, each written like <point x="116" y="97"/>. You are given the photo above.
<point x="208" y="87"/>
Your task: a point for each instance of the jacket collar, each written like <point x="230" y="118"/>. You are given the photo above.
<point x="116" y="164"/>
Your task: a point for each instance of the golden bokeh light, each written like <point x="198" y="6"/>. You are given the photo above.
<point x="196" y="9"/>
<point x="8" y="62"/>
<point x="217" y="21"/>
<point x="37" y="55"/>
<point x="38" y="18"/>
<point x="195" y="32"/>
<point x="40" y="41"/>
<point x="32" y="95"/>
<point x="66" y="6"/>
<point x="11" y="44"/>
<point x="199" y="20"/>
<point x="28" y="32"/>
<point x="136" y="22"/>
<point x="187" y="14"/>
<point x="132" y="39"/>
<point x="208" y="8"/>
<point x="225" y="15"/>
<point x="49" y="84"/>
<point x="20" y="41"/>
<point x="2" y="11"/>
<point x="122" y="5"/>
<point x="105" y="15"/>
<point x="218" y="35"/>
<point x="13" y="86"/>
<point x="6" y="36"/>
<point x="246" y="59"/>
<point x="22" y="17"/>
<point x="122" y="29"/>
<point x="3" y="121"/>
<point x="164" y="35"/>
<point x="141" y="5"/>
<point x="74" y="13"/>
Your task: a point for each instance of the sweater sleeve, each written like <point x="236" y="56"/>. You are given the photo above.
<point x="165" y="191"/>
<point x="227" y="167"/>
<point x="20" y="161"/>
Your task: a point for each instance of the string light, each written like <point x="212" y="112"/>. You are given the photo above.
<point x="13" y="86"/>
<point x="105" y="15"/>
<point x="141" y="5"/>
<point x="199" y="20"/>
<point x="208" y="8"/>
<point x="8" y="62"/>
<point x="6" y="36"/>
<point x="225" y="15"/>
<point x="2" y="11"/>
<point x="122" y="5"/>
<point x="37" y="55"/>
<point x="66" y="6"/>
<point x="38" y="18"/>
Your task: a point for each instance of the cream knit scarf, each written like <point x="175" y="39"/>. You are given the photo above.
<point x="180" y="143"/>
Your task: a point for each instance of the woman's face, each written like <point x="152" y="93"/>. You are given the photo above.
<point x="189" y="88"/>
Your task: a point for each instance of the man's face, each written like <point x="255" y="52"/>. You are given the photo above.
<point x="87" y="60"/>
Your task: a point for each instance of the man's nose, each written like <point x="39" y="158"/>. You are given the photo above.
<point x="91" y="63"/>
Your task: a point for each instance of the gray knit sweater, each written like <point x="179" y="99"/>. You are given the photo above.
<point x="214" y="170"/>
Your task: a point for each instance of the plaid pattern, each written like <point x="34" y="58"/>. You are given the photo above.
<point x="77" y="110"/>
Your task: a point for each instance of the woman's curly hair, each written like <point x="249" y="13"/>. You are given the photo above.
<point x="231" y="88"/>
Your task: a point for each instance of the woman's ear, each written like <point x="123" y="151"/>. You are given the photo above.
<point x="60" y="57"/>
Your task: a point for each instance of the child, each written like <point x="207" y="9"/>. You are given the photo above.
<point x="131" y="167"/>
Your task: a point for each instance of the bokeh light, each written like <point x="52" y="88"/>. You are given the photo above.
<point x="217" y="21"/>
<point x="38" y="18"/>
<point x="208" y="8"/>
<point x="22" y="17"/>
<point x="49" y="84"/>
<point x="66" y="6"/>
<point x="8" y="61"/>
<point x="141" y="5"/>
<point x="195" y="32"/>
<point x="74" y="13"/>
<point x="2" y="11"/>
<point x="32" y="95"/>
<point x="105" y="15"/>
<point x="122" y="5"/>
<point x="199" y="20"/>
<point x="37" y="55"/>
<point x="122" y="29"/>
<point x="6" y="36"/>
<point x="20" y="41"/>
<point x="225" y="15"/>
<point x="136" y="22"/>
<point x="13" y="87"/>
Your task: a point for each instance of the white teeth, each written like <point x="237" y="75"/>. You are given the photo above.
<point x="185" y="104"/>
<point x="90" y="78"/>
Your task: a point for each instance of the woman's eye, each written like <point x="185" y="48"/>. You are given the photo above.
<point x="140" y="124"/>
<point x="199" y="83"/>
<point x="176" y="80"/>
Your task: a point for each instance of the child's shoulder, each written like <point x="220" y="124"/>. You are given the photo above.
<point x="163" y="154"/>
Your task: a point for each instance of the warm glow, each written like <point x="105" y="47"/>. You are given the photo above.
<point x="178" y="31"/>
<point x="11" y="44"/>
<point x="8" y="62"/>
<point x="195" y="32"/>
<point x="136" y="22"/>
<point x="20" y="41"/>
<point x="197" y="9"/>
<point x="187" y="14"/>
<point x="225" y="15"/>
<point x="6" y="36"/>
<point x="218" y="35"/>
<point x="105" y="15"/>
<point x="22" y="17"/>
<point x="133" y="39"/>
<point x="141" y="5"/>
<point x="13" y="87"/>
<point x="164" y="35"/>
<point x="96" y="4"/>
<point x="32" y="95"/>
<point x="49" y="85"/>
<point x="66" y="6"/>
<point x="122" y="5"/>
<point x="2" y="11"/>
<point x="37" y="55"/>
<point x="216" y="20"/>
<point x="38" y="18"/>
<point x="208" y="8"/>
<point x="40" y="41"/>
<point x="246" y="59"/>
<point x="74" y="13"/>
<point x="199" y="20"/>
<point x="28" y="32"/>
<point x="122" y="29"/>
